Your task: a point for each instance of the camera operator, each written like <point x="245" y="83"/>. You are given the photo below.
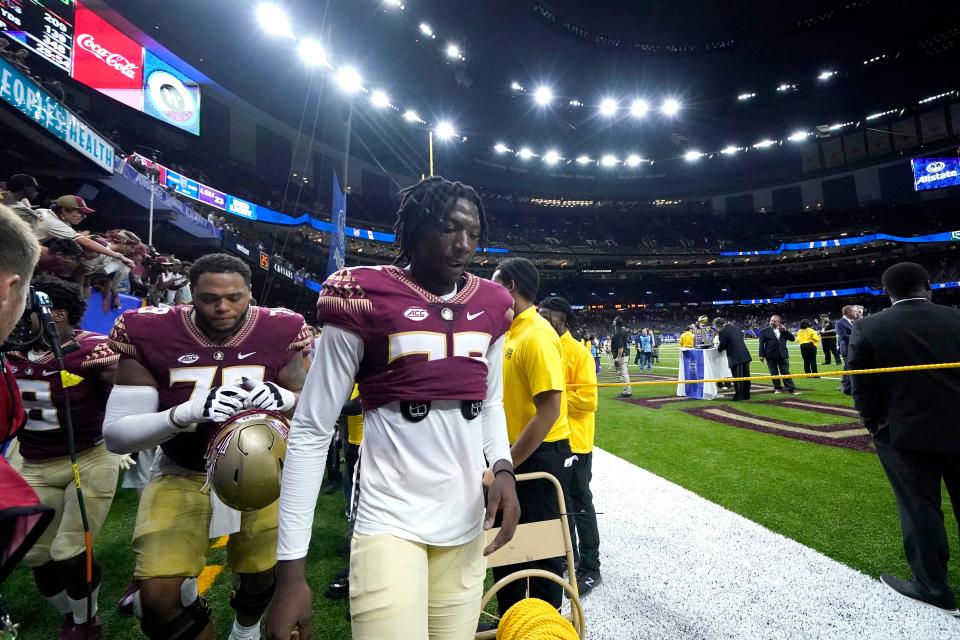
<point x="22" y="518"/>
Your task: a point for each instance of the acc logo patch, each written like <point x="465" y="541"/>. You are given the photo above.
<point x="188" y="358"/>
<point x="508" y="353"/>
<point x="416" y="314"/>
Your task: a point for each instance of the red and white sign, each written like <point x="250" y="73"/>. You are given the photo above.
<point x="106" y="59"/>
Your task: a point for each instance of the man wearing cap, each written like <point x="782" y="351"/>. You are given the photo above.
<point x="17" y="193"/>
<point x="59" y="221"/>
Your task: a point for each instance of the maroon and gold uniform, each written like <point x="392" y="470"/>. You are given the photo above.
<point x="44" y="461"/>
<point x="86" y="356"/>
<point x="171" y="533"/>
<point x="186" y="364"/>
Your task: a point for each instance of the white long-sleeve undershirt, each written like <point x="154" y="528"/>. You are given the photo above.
<point x="418" y="481"/>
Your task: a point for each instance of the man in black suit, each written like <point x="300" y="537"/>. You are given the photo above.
<point x="730" y="341"/>
<point x="844" y="327"/>
<point x="773" y="350"/>
<point x="913" y="419"/>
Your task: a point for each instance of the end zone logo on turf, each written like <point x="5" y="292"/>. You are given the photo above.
<point x="416" y="314"/>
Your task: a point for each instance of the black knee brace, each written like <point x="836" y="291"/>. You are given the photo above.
<point x="187" y="625"/>
<point x="249" y="603"/>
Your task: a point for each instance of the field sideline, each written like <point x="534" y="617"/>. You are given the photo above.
<point x="833" y="499"/>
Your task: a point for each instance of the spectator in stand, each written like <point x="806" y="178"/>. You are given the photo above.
<point x="620" y="346"/>
<point x="828" y="337"/>
<point x="773" y="350"/>
<point x="61" y="259"/>
<point x="59" y="221"/>
<point x="809" y="340"/>
<point x="17" y="193"/>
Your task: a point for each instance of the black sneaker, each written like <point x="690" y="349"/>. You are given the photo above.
<point x="912" y="590"/>
<point x="488" y="626"/>
<point x="339" y="589"/>
<point x="623" y="394"/>
<point x="587" y="581"/>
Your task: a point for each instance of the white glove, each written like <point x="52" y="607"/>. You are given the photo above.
<point x="126" y="461"/>
<point x="270" y="397"/>
<point x="216" y="406"/>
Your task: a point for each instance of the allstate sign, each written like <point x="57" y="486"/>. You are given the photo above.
<point x="935" y="173"/>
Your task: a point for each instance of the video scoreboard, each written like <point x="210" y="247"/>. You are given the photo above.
<point x="43" y="26"/>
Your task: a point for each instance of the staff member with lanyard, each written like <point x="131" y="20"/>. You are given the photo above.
<point x="535" y="403"/>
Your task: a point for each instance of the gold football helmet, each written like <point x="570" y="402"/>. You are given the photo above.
<point x="245" y="459"/>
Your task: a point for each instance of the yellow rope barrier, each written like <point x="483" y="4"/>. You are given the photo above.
<point x="856" y="372"/>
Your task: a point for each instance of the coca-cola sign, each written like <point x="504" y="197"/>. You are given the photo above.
<point x="114" y="60"/>
<point x="107" y="59"/>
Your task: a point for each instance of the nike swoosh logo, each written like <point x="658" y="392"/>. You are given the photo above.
<point x="49" y="373"/>
<point x="472" y="316"/>
<point x="244" y="356"/>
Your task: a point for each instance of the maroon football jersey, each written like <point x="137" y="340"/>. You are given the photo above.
<point x="187" y="364"/>
<point x="41" y="387"/>
<point x="416" y="345"/>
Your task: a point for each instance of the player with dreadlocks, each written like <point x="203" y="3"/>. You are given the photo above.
<point x="427" y="205"/>
<point x="424" y="341"/>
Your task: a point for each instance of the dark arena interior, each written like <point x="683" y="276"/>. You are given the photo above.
<point x="334" y="319"/>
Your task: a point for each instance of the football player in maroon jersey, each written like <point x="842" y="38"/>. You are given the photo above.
<point x="59" y="559"/>
<point x="182" y="372"/>
<point x="424" y="341"/>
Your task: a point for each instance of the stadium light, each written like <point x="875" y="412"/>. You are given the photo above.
<point x="312" y="53"/>
<point x="501" y="148"/>
<point x="349" y="80"/>
<point x="552" y="156"/>
<point x="692" y="156"/>
<point x="380" y="99"/>
<point x="411" y="116"/>
<point x="633" y="160"/>
<point x="729" y="150"/>
<point x="274" y="20"/>
<point x="426" y="30"/>
<point x="763" y="144"/>
<point x="826" y="75"/>
<point x="543" y="95"/>
<point x="670" y="107"/>
<point x="798" y="136"/>
<point x="453" y="51"/>
<point x="445" y="130"/>
<point x="609" y="160"/>
<point x="746" y="96"/>
<point x="608" y="107"/>
<point x="584" y="160"/>
<point x="575" y="103"/>
<point x="516" y="86"/>
<point x="525" y="153"/>
<point x="397" y="4"/>
<point x="639" y="108"/>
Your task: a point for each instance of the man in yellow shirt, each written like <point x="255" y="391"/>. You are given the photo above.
<point x="536" y="409"/>
<point x="686" y="338"/>
<point x="578" y="369"/>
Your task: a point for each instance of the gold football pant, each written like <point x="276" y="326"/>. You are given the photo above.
<point x="171" y="536"/>
<point x="404" y="589"/>
<point x="53" y="481"/>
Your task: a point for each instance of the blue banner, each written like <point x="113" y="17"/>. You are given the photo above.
<point x="946" y="236"/>
<point x="338" y="245"/>
<point x="693" y="370"/>
<point x="28" y="98"/>
<point x="935" y="173"/>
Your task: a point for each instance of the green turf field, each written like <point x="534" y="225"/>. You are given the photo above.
<point x="833" y="499"/>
